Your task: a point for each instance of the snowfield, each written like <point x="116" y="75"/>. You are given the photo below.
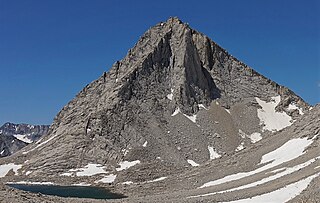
<point x="107" y="179"/>
<point x="23" y="138"/>
<point x="5" y="168"/>
<point x="296" y="148"/>
<point x="127" y="164"/>
<point x="271" y="119"/>
<point x="281" y="195"/>
<point x="88" y="170"/>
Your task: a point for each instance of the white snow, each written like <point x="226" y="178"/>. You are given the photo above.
<point x="272" y="120"/>
<point x="127" y="164"/>
<point x="293" y="106"/>
<point x="40" y="144"/>
<point x="281" y="195"/>
<point x="191" y="118"/>
<point x="125" y="151"/>
<point x="170" y="96"/>
<point x="88" y="170"/>
<point x="88" y="130"/>
<point x="28" y="172"/>
<point x="255" y="137"/>
<point x="277" y="170"/>
<point x="240" y="147"/>
<point x="145" y="144"/>
<point x="66" y="174"/>
<point x="227" y="110"/>
<point x="31" y="183"/>
<point x="5" y="168"/>
<point x="23" y="138"/>
<point x="192" y="163"/>
<point x="213" y="153"/>
<point x="278" y="196"/>
<point x="127" y="183"/>
<point x="81" y="184"/>
<point x="156" y="180"/>
<point x="176" y="112"/>
<point x="2" y="152"/>
<point x="108" y="179"/>
<point x="201" y="106"/>
<point x="287" y="171"/>
<point x="296" y="148"/>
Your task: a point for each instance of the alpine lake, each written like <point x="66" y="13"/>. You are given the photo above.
<point x="69" y="191"/>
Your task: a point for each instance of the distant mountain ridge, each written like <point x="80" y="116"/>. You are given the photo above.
<point x="13" y="137"/>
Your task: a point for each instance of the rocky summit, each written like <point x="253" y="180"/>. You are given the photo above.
<point x="178" y="119"/>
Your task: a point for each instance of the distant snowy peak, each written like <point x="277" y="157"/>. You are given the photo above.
<point x="24" y="132"/>
<point x="13" y="137"/>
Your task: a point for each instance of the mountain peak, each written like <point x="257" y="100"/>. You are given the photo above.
<point x="174" y="88"/>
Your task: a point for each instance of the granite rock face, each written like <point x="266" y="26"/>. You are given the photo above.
<point x="176" y="94"/>
<point x="13" y="137"/>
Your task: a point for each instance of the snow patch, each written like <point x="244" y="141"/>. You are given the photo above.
<point x="66" y="174"/>
<point x="156" y="180"/>
<point x="192" y="163"/>
<point x="191" y="118"/>
<point x="293" y="106"/>
<point x="295" y="146"/>
<point x="255" y="137"/>
<point x="39" y="145"/>
<point x="170" y="96"/>
<point x="176" y="112"/>
<point x="88" y="170"/>
<point x="5" y="168"/>
<point x="23" y="138"/>
<point x="127" y="164"/>
<point x="28" y="172"/>
<point x="227" y="110"/>
<point x="107" y="179"/>
<point x="240" y="147"/>
<point x="273" y="121"/>
<point x="213" y="154"/>
<point x="81" y="184"/>
<point x="125" y="152"/>
<point x="201" y="106"/>
<point x="145" y="144"/>
<point x="127" y="183"/>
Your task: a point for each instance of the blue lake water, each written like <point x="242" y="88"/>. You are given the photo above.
<point x="70" y="191"/>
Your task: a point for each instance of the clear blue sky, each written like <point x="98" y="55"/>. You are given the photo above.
<point x="49" y="50"/>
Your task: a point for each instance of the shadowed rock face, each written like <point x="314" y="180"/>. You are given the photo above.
<point x="148" y="96"/>
<point x="9" y="144"/>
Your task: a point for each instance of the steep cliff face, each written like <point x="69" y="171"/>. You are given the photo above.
<point x="14" y="137"/>
<point x="177" y="95"/>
